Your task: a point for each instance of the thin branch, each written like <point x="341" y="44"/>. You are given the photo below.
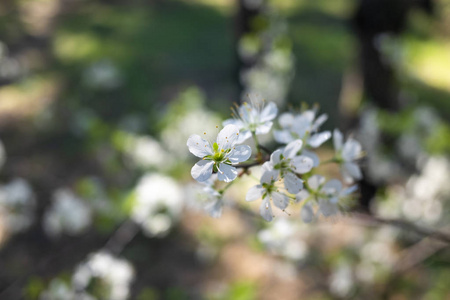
<point x="121" y="237"/>
<point x="267" y="150"/>
<point x="417" y="253"/>
<point x="405" y="225"/>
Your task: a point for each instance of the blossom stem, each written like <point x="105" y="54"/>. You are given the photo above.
<point x="332" y="160"/>
<point x="258" y="148"/>
<point x="226" y="187"/>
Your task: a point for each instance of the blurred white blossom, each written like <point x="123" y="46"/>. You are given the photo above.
<point x="147" y="152"/>
<point x="158" y="204"/>
<point x="103" y="74"/>
<point x="283" y="237"/>
<point x="61" y="290"/>
<point x="341" y="280"/>
<point x="347" y="155"/>
<point x="17" y="205"/>
<point x="114" y="274"/>
<point x="423" y="198"/>
<point x="67" y="214"/>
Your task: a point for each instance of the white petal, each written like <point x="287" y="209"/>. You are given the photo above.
<point x="209" y="190"/>
<point x="267" y="166"/>
<point x="309" y="115"/>
<point x="332" y="187"/>
<point x="202" y="170"/>
<point x="235" y="122"/>
<point x="282" y="136"/>
<point x="315" y="181"/>
<point x="246" y="112"/>
<point x="319" y="121"/>
<point x="280" y="200"/>
<point x="228" y="137"/>
<point x="292" y="148"/>
<point x="226" y="173"/>
<point x="269" y="176"/>
<point x="313" y="156"/>
<point x="349" y="190"/>
<point x="286" y="120"/>
<point x="198" y="146"/>
<point x="319" y="138"/>
<point x="351" y="150"/>
<point x="266" y="210"/>
<point x="347" y="178"/>
<point x="337" y="139"/>
<point x="275" y="157"/>
<point x="214" y="208"/>
<point x="327" y="208"/>
<point x="302" y="195"/>
<point x="240" y="153"/>
<point x="307" y="213"/>
<point x="243" y="136"/>
<point x="254" y="193"/>
<point x="334" y="200"/>
<point x="292" y="183"/>
<point x="353" y="170"/>
<point x="302" y="164"/>
<point x="301" y="125"/>
<point x="269" y="112"/>
<point x="263" y="128"/>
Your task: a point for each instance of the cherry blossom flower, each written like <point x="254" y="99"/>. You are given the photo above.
<point x="114" y="274"/>
<point x="158" y="204"/>
<point x="346" y="155"/>
<point x="218" y="157"/>
<point x="67" y="214"/>
<point x="203" y="196"/>
<point x="286" y="164"/>
<point x="284" y="237"/>
<point x="303" y="126"/>
<point x="327" y="194"/>
<point x="17" y="205"/>
<point x="253" y="117"/>
<point x="268" y="192"/>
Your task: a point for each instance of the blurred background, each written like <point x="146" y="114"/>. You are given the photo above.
<point x="98" y="98"/>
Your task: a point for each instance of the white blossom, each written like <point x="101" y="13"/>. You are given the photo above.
<point x="17" y="205"/>
<point x="219" y="156"/>
<point x="103" y="75"/>
<point x="58" y="289"/>
<point x="115" y="274"/>
<point x="253" y="117"/>
<point x="67" y="214"/>
<point x="304" y="126"/>
<point x="269" y="193"/>
<point x="341" y="280"/>
<point x="203" y="196"/>
<point x="347" y="154"/>
<point x="158" y="204"/>
<point x="286" y="163"/>
<point x="327" y="194"/>
<point x="147" y="152"/>
<point x="281" y="238"/>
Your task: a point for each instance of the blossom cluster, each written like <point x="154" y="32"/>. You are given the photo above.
<point x="289" y="173"/>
